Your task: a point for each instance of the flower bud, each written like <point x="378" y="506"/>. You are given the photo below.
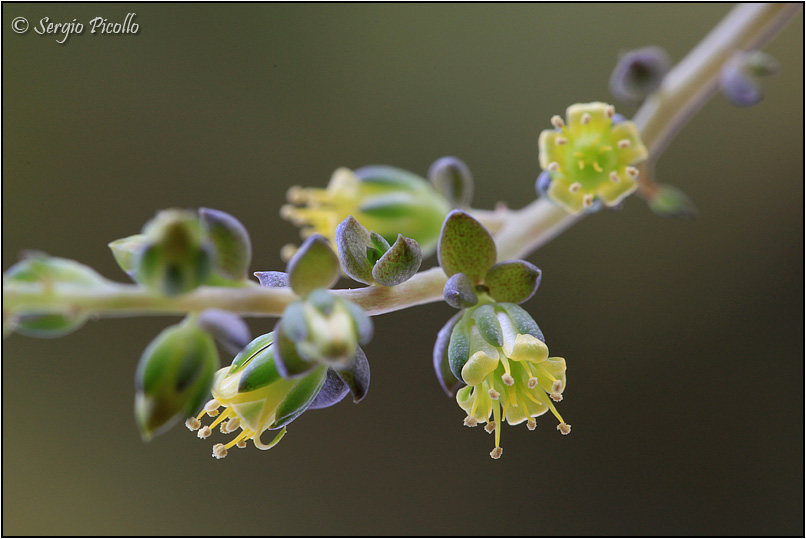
<point x="173" y="377"/>
<point x="175" y="260"/>
<point x="47" y="271"/>
<point x="451" y="177"/>
<point x="389" y="200"/>
<point x="638" y="73"/>
<point x="740" y="77"/>
<point x="323" y="329"/>
<point x="669" y="201"/>
<point x="229" y="330"/>
<point x="126" y="251"/>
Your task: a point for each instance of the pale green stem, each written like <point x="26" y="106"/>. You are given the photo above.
<point x="518" y="232"/>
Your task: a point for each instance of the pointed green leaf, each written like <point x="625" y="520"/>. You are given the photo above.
<point x="513" y="281"/>
<point x="313" y="266"/>
<point x="489" y="327"/>
<point x="465" y="247"/>
<point x="230" y="241"/>
<point x="354" y="245"/>
<point x="399" y="263"/>
<point x="125" y="251"/>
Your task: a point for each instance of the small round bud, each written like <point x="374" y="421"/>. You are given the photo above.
<point x="497" y="452"/>
<point x="564" y="428"/>
<point x="639" y="73"/>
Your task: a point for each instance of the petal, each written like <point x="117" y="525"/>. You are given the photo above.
<point x="478" y="367"/>
<point x="356" y="376"/>
<point x="612" y="193"/>
<point x="554" y="366"/>
<point x="528" y="348"/>
<point x="560" y="193"/>
<point x="550" y="150"/>
<point x="442" y="368"/>
<point x="597" y="111"/>
<point x="636" y="151"/>
<point x="333" y="391"/>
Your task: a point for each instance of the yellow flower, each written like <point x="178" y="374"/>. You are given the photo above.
<point x="589" y="157"/>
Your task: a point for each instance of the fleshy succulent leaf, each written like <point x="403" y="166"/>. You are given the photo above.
<point x="333" y="391"/>
<point x="272" y="279"/>
<point x="449" y="383"/>
<point x="313" y="266"/>
<point x="514" y="281"/>
<point x="488" y="325"/>
<point x="230" y="241"/>
<point x="260" y="371"/>
<point x="300" y="398"/>
<point x="459" y="293"/>
<point x="465" y="246"/>
<point x="289" y="362"/>
<point x="356" y="376"/>
<point x="451" y="177"/>
<point x="354" y="245"/>
<point x="399" y="263"/>
<point x="257" y="345"/>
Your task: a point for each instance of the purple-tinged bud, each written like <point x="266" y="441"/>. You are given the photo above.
<point x="638" y="73"/>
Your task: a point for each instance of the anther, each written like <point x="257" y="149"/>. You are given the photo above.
<point x="574" y="187"/>
<point x="212" y="405"/>
<point x="554" y="166"/>
<point x="287" y="212"/>
<point x="610" y="111"/>
<point x="564" y="428"/>
<point x="623" y="143"/>
<point x="497" y="452"/>
<point x="557" y="122"/>
<point x="192" y="423"/>
<point x="556" y="397"/>
<point x="232" y="425"/>
<point x="204" y="432"/>
<point x="287" y="251"/>
<point x="470" y="421"/>
<point x="295" y="195"/>
<point x="241" y="444"/>
<point x="532" y="383"/>
<point x="614" y="177"/>
<point x="587" y="200"/>
<point x="507" y="379"/>
<point x="581" y="164"/>
<point x="632" y="172"/>
<point x="531" y="424"/>
<point x="490" y="427"/>
<point x="219" y="451"/>
<point x="557" y="385"/>
<point x="597" y="167"/>
<point x="493" y="394"/>
<point x="560" y="141"/>
<point x="585" y="119"/>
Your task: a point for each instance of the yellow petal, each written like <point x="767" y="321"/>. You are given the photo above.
<point x="636" y="151"/>
<point x="549" y="150"/>
<point x="597" y="112"/>
<point x="478" y="367"/>
<point x="558" y="192"/>
<point x="612" y="193"/>
<point x="529" y="348"/>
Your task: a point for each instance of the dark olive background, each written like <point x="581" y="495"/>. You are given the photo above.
<point x="684" y="340"/>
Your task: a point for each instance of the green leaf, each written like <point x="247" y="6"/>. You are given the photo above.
<point x="355" y="245"/>
<point x="313" y="266"/>
<point x="514" y="281"/>
<point x="230" y="241"/>
<point x="250" y="350"/>
<point x="459" y="293"/>
<point x="126" y="250"/>
<point x="669" y="201"/>
<point x="379" y="246"/>
<point x="465" y="247"/>
<point x="299" y="398"/>
<point x="356" y="376"/>
<point x="459" y="348"/>
<point x="272" y="279"/>
<point x="523" y="322"/>
<point x="451" y="178"/>
<point x="489" y="327"/>
<point x="399" y="264"/>
<point x="259" y="372"/>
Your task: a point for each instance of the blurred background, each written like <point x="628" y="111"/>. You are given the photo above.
<point x="684" y="339"/>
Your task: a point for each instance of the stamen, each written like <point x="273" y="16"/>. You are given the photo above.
<point x="289" y="213"/>
<point x="574" y="187"/>
<point x="497" y="415"/>
<point x="557" y="385"/>
<point x="497" y="452"/>
<point x="614" y="177"/>
<point x="295" y="195"/>
<point x="232" y="425"/>
<point x="560" y="141"/>
<point x="554" y="166"/>
<point x="227" y="413"/>
<point x="623" y="143"/>
<point x="596" y="167"/>
<point x="556" y="397"/>
<point x="241" y="444"/>
<point x="204" y="432"/>
<point x="219" y="451"/>
<point x="507" y="379"/>
<point x="490" y="427"/>
<point x="531" y="424"/>
<point x="587" y="200"/>
<point x="605" y="149"/>
<point x="237" y="440"/>
<point x="581" y="164"/>
<point x="610" y="111"/>
<point x="557" y="122"/>
<point x="632" y="172"/>
<point x="493" y="394"/>
<point x="585" y="119"/>
<point x="564" y="428"/>
<point x="212" y="406"/>
<point x="579" y="154"/>
<point x="470" y="421"/>
<point x="532" y="383"/>
<point x="192" y="423"/>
